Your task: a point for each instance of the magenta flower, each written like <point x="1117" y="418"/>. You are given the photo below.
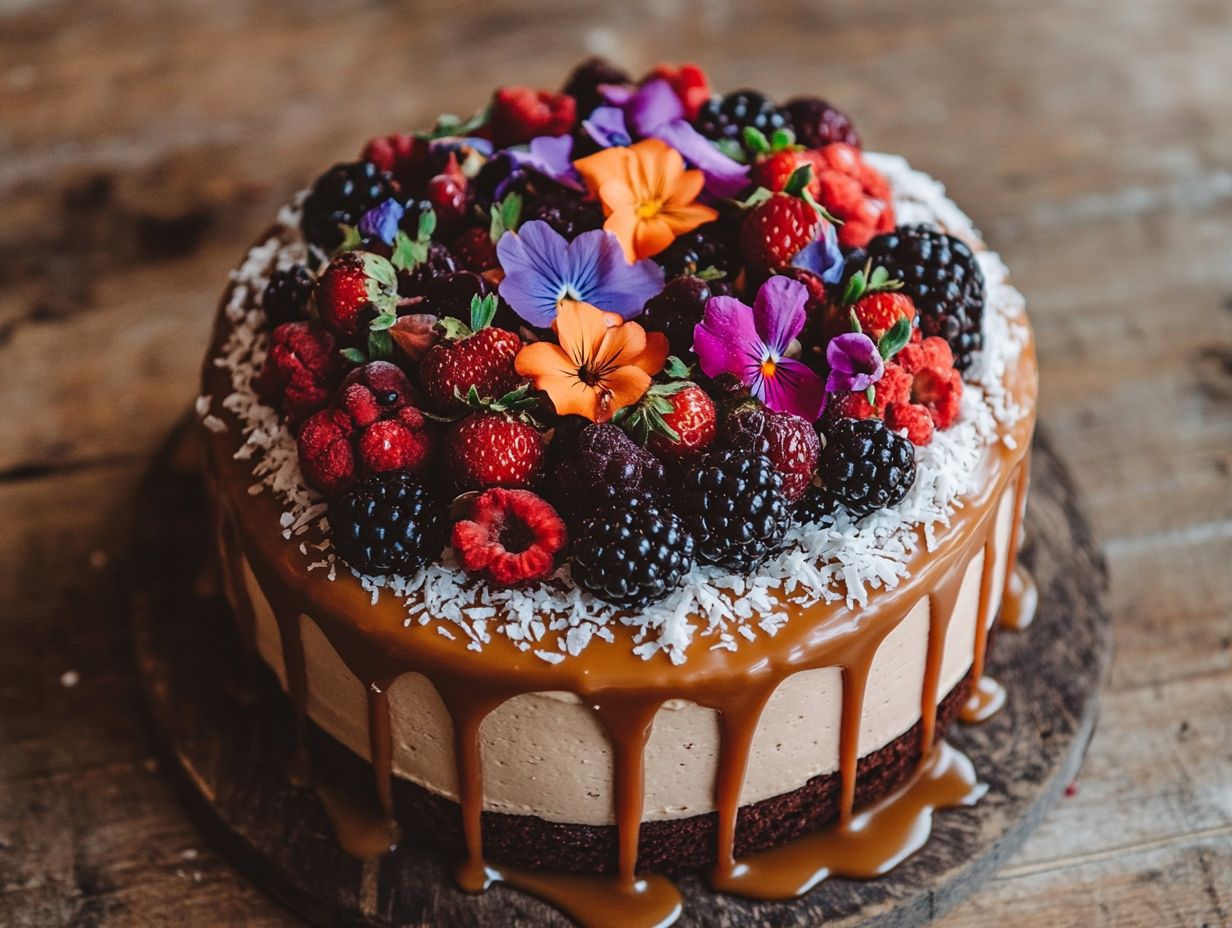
<point x="542" y="268"/>
<point x="752" y="343"/>
<point x="855" y="363"/>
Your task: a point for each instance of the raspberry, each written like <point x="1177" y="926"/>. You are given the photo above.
<point x="519" y="114"/>
<point x="402" y="156"/>
<point x="893" y="387"/>
<point x="509" y="536"/>
<point x="931" y="352"/>
<point x="388" y="524"/>
<point x="866" y="465"/>
<point x="375" y="391"/>
<point x="632" y="553"/>
<point x="401" y="442"/>
<point x="732" y="503"/>
<point x="853" y="192"/>
<point x="586" y="79"/>
<point x="605" y="464"/>
<point x="326" y="456"/>
<point x="914" y="418"/>
<point x="940" y="392"/>
<point x="339" y="197"/>
<point x="787" y="440"/>
<point x="301" y="370"/>
<point x="817" y="123"/>
<point x="285" y="298"/>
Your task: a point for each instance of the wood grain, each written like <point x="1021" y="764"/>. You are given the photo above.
<point x="141" y="144"/>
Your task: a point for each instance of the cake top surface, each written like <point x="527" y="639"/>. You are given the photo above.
<point x="630" y="355"/>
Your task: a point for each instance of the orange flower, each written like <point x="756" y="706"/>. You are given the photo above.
<point x="601" y="364"/>
<point x="647" y="195"/>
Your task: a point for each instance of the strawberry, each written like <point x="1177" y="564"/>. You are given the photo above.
<point x="775" y="230"/>
<point x="475" y="358"/>
<point x="877" y="312"/>
<point x="689" y="415"/>
<point x="356" y="287"/>
<point x="775" y="170"/>
<point x="519" y="114"/>
<point x="493" y="449"/>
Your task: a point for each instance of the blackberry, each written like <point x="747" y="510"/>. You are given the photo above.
<point x="632" y="553"/>
<point x="339" y="197"/>
<point x="726" y="117"/>
<point x="567" y="213"/>
<point x="606" y="464"/>
<point x="439" y="264"/>
<point x="941" y="275"/>
<point x="387" y="523"/>
<point x="584" y="82"/>
<point x="865" y="465"/>
<point x="697" y="251"/>
<point x="818" y="123"/>
<point x="816" y="506"/>
<point x="677" y="309"/>
<point x="286" y="295"/>
<point x="732" y="502"/>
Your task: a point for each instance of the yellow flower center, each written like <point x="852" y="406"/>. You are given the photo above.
<point x="648" y="209"/>
<point x="767" y="367"/>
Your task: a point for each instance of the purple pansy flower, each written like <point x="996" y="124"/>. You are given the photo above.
<point x="542" y="268"/>
<point x="549" y="155"/>
<point x="855" y="363"/>
<point x="823" y="257"/>
<point x="654" y="111"/>
<point x="752" y="343"/>
<point x="381" y="222"/>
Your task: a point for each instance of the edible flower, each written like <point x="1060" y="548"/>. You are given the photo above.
<point x="549" y="155"/>
<point x="602" y="363"/>
<point x="855" y="363"/>
<point x="381" y="222"/>
<point x="753" y="342"/>
<point x="542" y="269"/>
<point x="654" y="110"/>
<point x="647" y="194"/>
<point x="823" y="256"/>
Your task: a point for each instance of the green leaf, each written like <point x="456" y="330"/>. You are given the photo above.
<point x="732" y="149"/>
<point x="821" y="210"/>
<point x="380" y="346"/>
<point x="483" y="311"/>
<point x="477" y="119"/>
<point x="452" y="328"/>
<point x="893" y="340"/>
<point x="408" y="254"/>
<point x="380" y="270"/>
<point x="675" y="368"/>
<point x="506" y="216"/>
<point x="711" y="273"/>
<point x="382" y="322"/>
<point x="782" y="138"/>
<point x="852" y="292"/>
<point x="760" y="195"/>
<point x="797" y="184"/>
<point x="427" y="225"/>
<point x="755" y="140"/>
<point x="351" y="239"/>
<point x="871" y="394"/>
<point x="446" y="124"/>
<point x="353" y="356"/>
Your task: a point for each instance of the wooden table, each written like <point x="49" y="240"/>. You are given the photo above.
<point x="141" y="144"/>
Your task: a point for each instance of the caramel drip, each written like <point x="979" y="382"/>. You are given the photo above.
<point x="381" y="746"/>
<point x="987" y="695"/>
<point x="738" y="721"/>
<point x="599" y="901"/>
<point x="628" y="728"/>
<point x="876" y="840"/>
<point x="855" y="681"/>
<point x="941" y="604"/>
<point x="1020" y="597"/>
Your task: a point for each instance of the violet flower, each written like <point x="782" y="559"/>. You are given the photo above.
<point x="542" y="268"/>
<point x="381" y="222"/>
<point x="823" y="256"/>
<point x="752" y="343"/>
<point x="654" y="111"/>
<point x="549" y="155"/>
<point x="855" y="363"/>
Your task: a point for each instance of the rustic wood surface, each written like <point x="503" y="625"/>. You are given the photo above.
<point x="142" y="143"/>
<point x="227" y="736"/>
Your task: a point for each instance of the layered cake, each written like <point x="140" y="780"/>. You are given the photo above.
<point x="624" y="481"/>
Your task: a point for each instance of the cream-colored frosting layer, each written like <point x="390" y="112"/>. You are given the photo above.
<point x="546" y="754"/>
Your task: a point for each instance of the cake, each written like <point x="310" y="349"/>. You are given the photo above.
<point x="621" y="482"/>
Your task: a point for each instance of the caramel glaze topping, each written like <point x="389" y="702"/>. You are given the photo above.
<point x="626" y="691"/>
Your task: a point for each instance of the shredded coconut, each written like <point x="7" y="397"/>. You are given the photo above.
<point x="713" y="608"/>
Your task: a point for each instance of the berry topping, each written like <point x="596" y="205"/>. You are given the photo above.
<point x="677" y="310"/>
<point x="732" y="502"/>
<point x="817" y="123"/>
<point x="707" y="247"/>
<point x="387" y="524"/>
<point x="476" y="358"/>
<point x="865" y="465"/>
<point x="816" y="507"/>
<point x="568" y="215"/>
<point x="285" y="298"/>
<point x="492" y="449"/>
<point x="676" y="420"/>
<point x="403" y="156"/>
<point x="326" y="452"/>
<point x="374" y="391"/>
<point x="340" y="197"/>
<point x="586" y="79"/>
<point x="301" y="370"/>
<point x="775" y="170"/>
<point x="510" y="537"/>
<point x="943" y="278"/>
<point x="354" y="289"/>
<point x="726" y="117"/>
<point x="788" y="441"/>
<point x="878" y="312"/>
<point x="853" y="192"/>
<point x="519" y="114"/>
<point x="476" y="250"/>
<point x="775" y="231"/>
<point x="632" y="553"/>
<point x="604" y="465"/>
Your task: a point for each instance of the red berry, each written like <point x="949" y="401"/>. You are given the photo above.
<point x="774" y="170"/>
<point x="403" y="156"/>
<point x="853" y="192"/>
<point x="933" y="351"/>
<point x="692" y="419"/>
<point x="913" y="418"/>
<point x="510" y="537"/>
<point x="940" y="391"/>
<point x="350" y="290"/>
<point x="325" y="453"/>
<point x="375" y="391"/>
<point x="447" y="194"/>
<point x="476" y="250"/>
<point x="301" y="370"/>
<point x="689" y="82"/>
<point x="878" y="312"/>
<point x="519" y="114"/>
<point x="483" y="360"/>
<point x="492" y="450"/>
<point x="789" y="441"/>
<point x="402" y="442"/>
<point x="775" y="230"/>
